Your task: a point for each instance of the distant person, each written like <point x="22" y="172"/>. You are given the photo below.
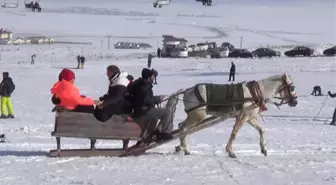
<point x="149" y="60"/>
<point x="316" y="91"/>
<point x="333" y="122"/>
<point x="7" y="87"/>
<point x="82" y="62"/>
<point x="232" y="72"/>
<point x="32" y="59"/>
<point x="158" y="53"/>
<point x="155" y="75"/>
<point x="78" y="61"/>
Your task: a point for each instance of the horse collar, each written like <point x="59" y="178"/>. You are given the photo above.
<point x="257" y="94"/>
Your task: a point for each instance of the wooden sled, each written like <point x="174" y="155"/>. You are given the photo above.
<point x="84" y="125"/>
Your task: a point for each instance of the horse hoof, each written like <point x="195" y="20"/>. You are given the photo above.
<point x="177" y="149"/>
<point x="232" y="155"/>
<point x="186" y="153"/>
<point x="264" y="152"/>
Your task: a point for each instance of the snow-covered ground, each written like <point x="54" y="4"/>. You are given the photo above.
<point x="301" y="146"/>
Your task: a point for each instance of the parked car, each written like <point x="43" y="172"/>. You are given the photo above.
<point x="202" y="46"/>
<point x="265" y="52"/>
<point x="299" y="51"/>
<point x="241" y="53"/>
<point x="128" y="45"/>
<point x="160" y="3"/>
<point x="179" y="52"/>
<point x="230" y="46"/>
<point x="219" y="52"/>
<point x="192" y="48"/>
<point x="330" y="51"/>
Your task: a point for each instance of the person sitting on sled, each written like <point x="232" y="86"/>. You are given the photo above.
<point x="113" y="100"/>
<point x="67" y="94"/>
<point x="143" y="101"/>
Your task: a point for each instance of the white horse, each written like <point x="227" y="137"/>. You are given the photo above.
<point x="256" y="95"/>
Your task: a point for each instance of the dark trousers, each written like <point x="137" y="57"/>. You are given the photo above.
<point x="149" y="63"/>
<point x="149" y="121"/>
<point x="100" y="114"/>
<point x="333" y="122"/>
<point x="232" y="75"/>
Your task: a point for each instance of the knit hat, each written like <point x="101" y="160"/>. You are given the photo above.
<point x="114" y="69"/>
<point x="67" y="75"/>
<point x="130" y="77"/>
<point x="5" y="74"/>
<point x="60" y="75"/>
<point x="146" y="73"/>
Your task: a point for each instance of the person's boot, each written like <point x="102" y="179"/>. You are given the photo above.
<point x="11" y="116"/>
<point x="161" y="136"/>
<point x="3" y="117"/>
<point x="333" y="123"/>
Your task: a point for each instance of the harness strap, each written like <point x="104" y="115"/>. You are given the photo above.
<point x="257" y="95"/>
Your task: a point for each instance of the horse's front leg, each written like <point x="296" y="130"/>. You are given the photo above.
<point x="239" y="123"/>
<point x="183" y="143"/>
<point x="255" y="123"/>
<point x="191" y="120"/>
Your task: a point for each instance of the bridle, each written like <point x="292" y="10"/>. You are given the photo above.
<point x="289" y="90"/>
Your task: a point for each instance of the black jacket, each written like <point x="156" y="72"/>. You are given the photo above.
<point x="233" y="68"/>
<point x="7" y="87"/>
<point x="113" y="100"/>
<point x="140" y="95"/>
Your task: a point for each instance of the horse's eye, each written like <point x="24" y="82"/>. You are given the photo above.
<point x="291" y="88"/>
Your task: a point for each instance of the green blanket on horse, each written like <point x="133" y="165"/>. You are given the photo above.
<point x="224" y="97"/>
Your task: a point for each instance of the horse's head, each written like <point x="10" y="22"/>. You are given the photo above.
<point x="287" y="91"/>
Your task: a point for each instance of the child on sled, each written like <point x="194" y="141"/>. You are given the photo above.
<point x="66" y="94"/>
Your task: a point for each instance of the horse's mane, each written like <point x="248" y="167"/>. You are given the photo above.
<point x="276" y="77"/>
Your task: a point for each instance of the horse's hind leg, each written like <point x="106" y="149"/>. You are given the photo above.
<point x="192" y="119"/>
<point x="255" y="123"/>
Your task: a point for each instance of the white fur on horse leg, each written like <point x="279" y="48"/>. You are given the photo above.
<point x="255" y="123"/>
<point x="239" y="123"/>
<point x="182" y="138"/>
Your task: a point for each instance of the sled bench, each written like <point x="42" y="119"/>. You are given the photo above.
<point x="84" y="125"/>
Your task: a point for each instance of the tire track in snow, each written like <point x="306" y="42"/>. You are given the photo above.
<point x="318" y="119"/>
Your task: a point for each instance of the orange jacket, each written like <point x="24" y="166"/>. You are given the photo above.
<point x="69" y="95"/>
